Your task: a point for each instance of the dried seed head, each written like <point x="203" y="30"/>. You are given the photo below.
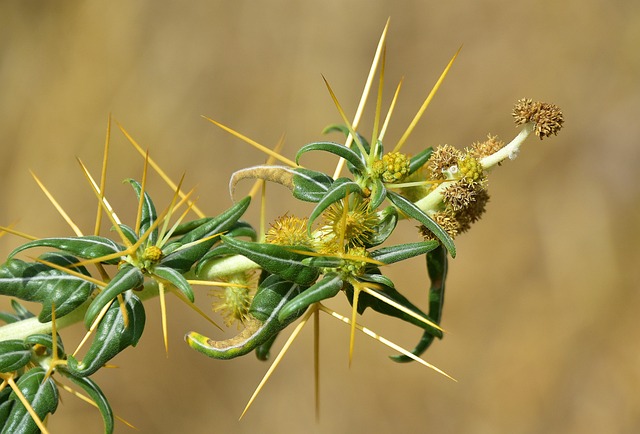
<point x="472" y="213"/>
<point x="446" y="220"/>
<point x="288" y="231"/>
<point x="547" y="117"/>
<point x="393" y="167"/>
<point x="490" y="146"/>
<point x="460" y="194"/>
<point x="442" y="159"/>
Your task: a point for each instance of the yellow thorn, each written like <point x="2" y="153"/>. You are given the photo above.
<point x="89" y="401"/>
<point x="365" y="92"/>
<point x="279" y="357"/>
<point x="316" y="360"/>
<point x="103" y="175"/>
<point x="384" y="341"/>
<point x="376" y="119"/>
<point x="57" y="206"/>
<point x="390" y="112"/>
<point x="425" y="104"/>
<point x="92" y="328"/>
<point x="18" y="233"/>
<point x="107" y="207"/>
<point x="143" y="184"/>
<point x="26" y="405"/>
<point x="253" y="143"/>
<point x="351" y="128"/>
<point x="163" y="313"/>
<point x="70" y="271"/>
<point x="158" y="170"/>
<point x="195" y="307"/>
<point x="354" y="314"/>
<point x="401" y="308"/>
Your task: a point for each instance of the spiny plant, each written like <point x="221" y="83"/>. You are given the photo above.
<point x="264" y="280"/>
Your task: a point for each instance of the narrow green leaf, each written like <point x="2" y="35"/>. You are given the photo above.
<point x="48" y="286"/>
<point x="5" y="406"/>
<point x="113" y="335"/>
<point x="327" y="287"/>
<point x="414" y="212"/>
<point x="341" y="188"/>
<point x="40" y="393"/>
<point x="378" y="194"/>
<point x="437" y="266"/>
<point x="400" y="252"/>
<point x="388" y="219"/>
<point x="182" y="258"/>
<point x="46" y="341"/>
<point x="95" y="393"/>
<point x="88" y="247"/>
<point x="129" y="233"/>
<point x="309" y="185"/>
<point x="275" y="259"/>
<point x="14" y="354"/>
<point x="356" y="160"/>
<point x="273" y="293"/>
<point x="418" y="160"/>
<point x="128" y="277"/>
<point x="149" y="215"/>
<point x="176" y="279"/>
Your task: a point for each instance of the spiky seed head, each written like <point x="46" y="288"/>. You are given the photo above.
<point x="460" y="194"/>
<point x="288" y="231"/>
<point x="442" y="158"/>
<point x="446" y="219"/>
<point x="490" y="146"/>
<point x="548" y="118"/>
<point x="356" y="227"/>
<point x="233" y="302"/>
<point x="393" y="167"/>
<point x="472" y="213"/>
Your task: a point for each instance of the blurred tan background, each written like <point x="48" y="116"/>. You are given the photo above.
<point x="542" y="301"/>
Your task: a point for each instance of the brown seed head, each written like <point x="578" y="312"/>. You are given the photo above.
<point x="547" y="117"/>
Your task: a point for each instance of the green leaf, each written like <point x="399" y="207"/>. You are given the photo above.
<point x="182" y="258"/>
<point x="129" y="233"/>
<point x="128" y="277"/>
<point x="418" y="160"/>
<point x="280" y="260"/>
<point x="48" y="286"/>
<point x="88" y="247"/>
<point x="338" y="191"/>
<point x="378" y="194"/>
<point x="345" y="130"/>
<point x="273" y="293"/>
<point x="5" y="406"/>
<point x="400" y="252"/>
<point x="149" y="215"/>
<point x="356" y="160"/>
<point x="388" y="219"/>
<point x="309" y="185"/>
<point x="414" y="212"/>
<point x="437" y="268"/>
<point x="327" y="287"/>
<point x="41" y="394"/>
<point x="176" y="279"/>
<point x="14" y="354"/>
<point x="96" y="395"/>
<point x="20" y="313"/>
<point x="366" y="300"/>
<point x="46" y="340"/>
<point x="113" y="334"/>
